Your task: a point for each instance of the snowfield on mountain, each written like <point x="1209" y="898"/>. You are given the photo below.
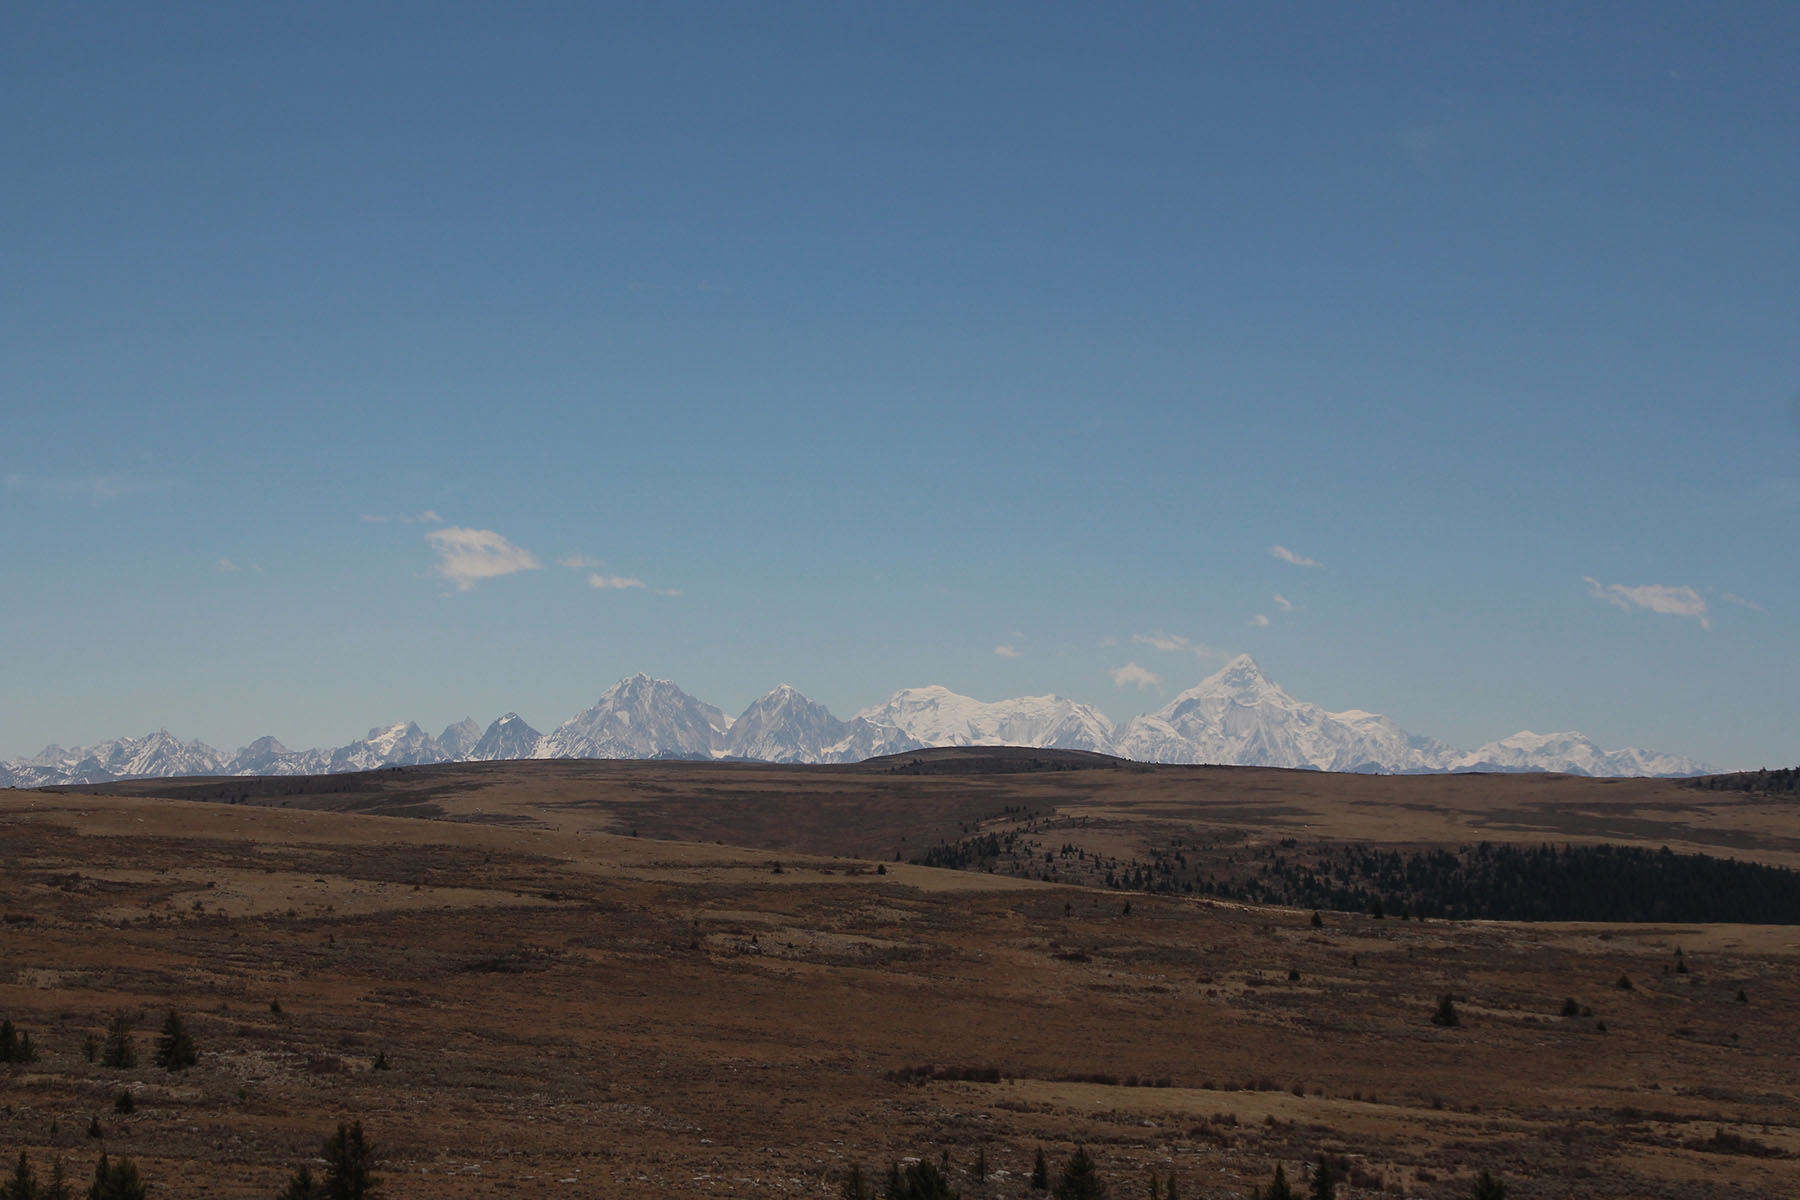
<point x="1237" y="716"/>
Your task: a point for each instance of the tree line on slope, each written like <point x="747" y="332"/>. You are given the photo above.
<point x="1604" y="882"/>
<point x="1080" y="1179"/>
<point x="349" y="1175"/>
<point x="1784" y="781"/>
<point x="1536" y="883"/>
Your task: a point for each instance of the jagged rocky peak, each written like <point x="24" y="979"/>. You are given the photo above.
<point x="640" y="717"/>
<point x="400" y="745"/>
<point x="509" y="737"/>
<point x="785" y="726"/>
<point x="1241" y="674"/>
<point x="457" y="740"/>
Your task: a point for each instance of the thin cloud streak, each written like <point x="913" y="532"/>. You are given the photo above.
<point x="1655" y="597"/>
<point x="1299" y="560"/>
<point x="1175" y="643"/>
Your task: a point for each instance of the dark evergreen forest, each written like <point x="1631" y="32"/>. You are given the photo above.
<point x="1493" y="881"/>
<point x="1533" y="883"/>
<point x="1785" y="781"/>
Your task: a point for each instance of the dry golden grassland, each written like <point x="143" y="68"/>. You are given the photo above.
<point x="568" y="1009"/>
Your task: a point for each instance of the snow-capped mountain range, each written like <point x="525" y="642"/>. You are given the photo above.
<point x="1236" y="716"/>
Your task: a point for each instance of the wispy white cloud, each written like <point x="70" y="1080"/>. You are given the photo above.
<point x="93" y="488"/>
<point x="578" y="562"/>
<point x="230" y="566"/>
<point x="1175" y="643"/>
<point x="1744" y="601"/>
<point x="626" y="583"/>
<point x="1108" y="642"/>
<point x="1260" y="620"/>
<point x="1009" y="651"/>
<point x="423" y="517"/>
<point x="1299" y="560"/>
<point x="1132" y="675"/>
<point x="1284" y="604"/>
<point x="467" y="556"/>
<point x="1656" y="597"/>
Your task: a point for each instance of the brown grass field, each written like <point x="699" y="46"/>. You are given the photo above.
<point x="637" y="979"/>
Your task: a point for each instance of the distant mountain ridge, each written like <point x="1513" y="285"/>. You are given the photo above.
<point x="1236" y="716"/>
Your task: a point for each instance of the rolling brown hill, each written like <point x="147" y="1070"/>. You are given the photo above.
<point x="750" y="995"/>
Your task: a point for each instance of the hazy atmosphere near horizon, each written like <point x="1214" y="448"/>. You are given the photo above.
<point x="365" y="363"/>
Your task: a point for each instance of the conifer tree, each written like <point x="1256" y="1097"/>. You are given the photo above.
<point x="1080" y="1180"/>
<point x="23" y="1185"/>
<point x="58" y="1187"/>
<point x="175" y="1049"/>
<point x="1488" y="1187"/>
<point x="302" y="1187"/>
<point x="856" y="1186"/>
<point x="1278" y="1188"/>
<point x="1040" y="1173"/>
<point x="116" y="1181"/>
<point x="9" y="1042"/>
<point x="917" y="1181"/>
<point x="349" y="1164"/>
<point x="120" y="1052"/>
<point x="1324" y="1181"/>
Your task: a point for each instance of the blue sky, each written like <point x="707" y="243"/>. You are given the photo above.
<point x="869" y="346"/>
